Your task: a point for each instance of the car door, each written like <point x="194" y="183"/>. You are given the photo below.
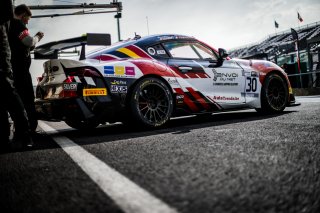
<point x="197" y="65"/>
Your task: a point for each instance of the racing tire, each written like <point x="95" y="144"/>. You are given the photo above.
<point x="82" y="125"/>
<point x="151" y="103"/>
<point x="274" y="95"/>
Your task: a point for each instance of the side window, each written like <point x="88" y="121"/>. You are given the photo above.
<point x="157" y="50"/>
<point x="181" y="50"/>
<point x="204" y="52"/>
<point x="189" y="50"/>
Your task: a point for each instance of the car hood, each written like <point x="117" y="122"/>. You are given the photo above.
<point x="259" y="65"/>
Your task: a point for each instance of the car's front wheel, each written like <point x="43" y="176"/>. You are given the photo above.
<point x="274" y="95"/>
<point x="151" y="102"/>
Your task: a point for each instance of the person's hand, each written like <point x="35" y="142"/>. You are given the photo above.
<point x="40" y="35"/>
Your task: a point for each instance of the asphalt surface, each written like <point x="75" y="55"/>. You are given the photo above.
<point x="228" y="162"/>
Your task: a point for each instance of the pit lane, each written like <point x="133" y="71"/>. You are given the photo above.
<point x="228" y="162"/>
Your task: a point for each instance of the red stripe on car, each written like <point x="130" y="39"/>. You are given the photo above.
<point x="198" y="98"/>
<point x="187" y="100"/>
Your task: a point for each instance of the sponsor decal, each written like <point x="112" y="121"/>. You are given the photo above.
<point x="250" y="95"/>
<point x="95" y="92"/>
<point x="179" y="99"/>
<point x="172" y="37"/>
<point x="118" y="82"/>
<point x="161" y="52"/>
<point x="119" y="70"/>
<point x="254" y="74"/>
<point x="70" y="86"/>
<point x="151" y="51"/>
<point x="224" y="76"/>
<point x="225" y="84"/>
<point x="166" y="38"/>
<point x="118" y="89"/>
<point x="224" y="98"/>
<point x="173" y="81"/>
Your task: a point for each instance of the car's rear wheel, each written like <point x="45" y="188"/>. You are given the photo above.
<point x="151" y="102"/>
<point x="274" y="95"/>
<point x="82" y="124"/>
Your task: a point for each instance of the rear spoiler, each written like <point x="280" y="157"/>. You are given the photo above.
<point x="51" y="50"/>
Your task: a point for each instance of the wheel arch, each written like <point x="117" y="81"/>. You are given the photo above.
<point x="282" y="75"/>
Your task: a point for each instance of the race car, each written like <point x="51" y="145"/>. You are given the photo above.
<point x="147" y="80"/>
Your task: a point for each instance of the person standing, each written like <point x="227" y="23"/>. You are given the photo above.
<point x="11" y="101"/>
<point x="21" y="43"/>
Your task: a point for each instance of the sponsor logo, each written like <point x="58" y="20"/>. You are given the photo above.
<point x="224" y="98"/>
<point x="172" y="37"/>
<point x="118" y="82"/>
<point x="224" y="76"/>
<point x="250" y="95"/>
<point x="119" y="70"/>
<point x="95" y="92"/>
<point x="225" y="84"/>
<point x="254" y="74"/>
<point x="118" y="89"/>
<point x="180" y="97"/>
<point x="161" y="52"/>
<point x="70" y="86"/>
<point x="173" y="81"/>
<point x="151" y="51"/>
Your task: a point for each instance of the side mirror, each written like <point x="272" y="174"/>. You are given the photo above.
<point x="223" y="53"/>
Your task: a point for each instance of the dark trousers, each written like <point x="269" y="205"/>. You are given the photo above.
<point x="24" y="86"/>
<point x="11" y="103"/>
<point x="10" y="100"/>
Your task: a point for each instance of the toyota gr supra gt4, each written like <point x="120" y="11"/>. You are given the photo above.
<point x="148" y="80"/>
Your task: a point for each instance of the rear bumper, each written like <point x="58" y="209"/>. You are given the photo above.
<point x="60" y="109"/>
<point x="77" y="108"/>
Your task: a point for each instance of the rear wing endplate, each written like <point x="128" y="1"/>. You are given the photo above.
<point x="51" y="50"/>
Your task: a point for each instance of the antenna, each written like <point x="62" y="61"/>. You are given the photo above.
<point x="147" y="25"/>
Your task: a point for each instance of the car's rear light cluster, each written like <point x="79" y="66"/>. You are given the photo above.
<point x="39" y="79"/>
<point x="79" y="73"/>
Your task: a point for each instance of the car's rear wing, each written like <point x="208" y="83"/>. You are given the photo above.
<point x="51" y="50"/>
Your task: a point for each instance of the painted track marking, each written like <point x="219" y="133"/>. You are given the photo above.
<point x="308" y="99"/>
<point x="126" y="194"/>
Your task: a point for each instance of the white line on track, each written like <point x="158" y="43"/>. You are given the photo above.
<point x="127" y="195"/>
<point x="308" y="99"/>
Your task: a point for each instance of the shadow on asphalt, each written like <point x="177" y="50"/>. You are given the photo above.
<point x="118" y="131"/>
<point x="109" y="133"/>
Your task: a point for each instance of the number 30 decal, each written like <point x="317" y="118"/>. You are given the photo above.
<point x="251" y="84"/>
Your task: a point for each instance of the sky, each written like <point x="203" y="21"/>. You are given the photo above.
<point x="227" y="24"/>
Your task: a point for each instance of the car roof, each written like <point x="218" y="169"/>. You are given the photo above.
<point x="140" y="42"/>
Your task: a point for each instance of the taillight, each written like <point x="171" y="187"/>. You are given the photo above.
<point x="69" y="79"/>
<point x="68" y="94"/>
<point x="39" y="79"/>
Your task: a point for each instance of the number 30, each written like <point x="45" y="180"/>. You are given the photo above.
<point x="251" y="84"/>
